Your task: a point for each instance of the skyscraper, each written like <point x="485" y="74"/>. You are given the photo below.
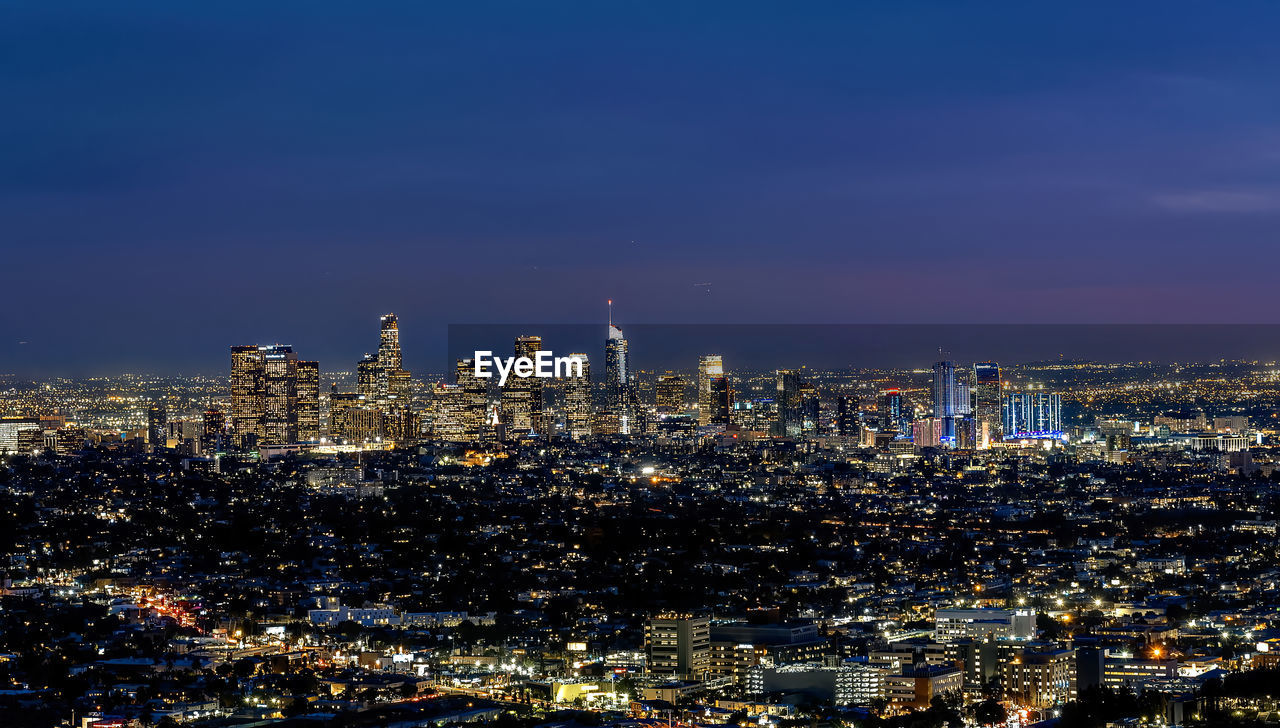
<point x="950" y="398"/>
<point x="789" y="398"/>
<point x="522" y="403"/>
<point x="710" y="366"/>
<point x="308" y="400"/>
<point x="474" y="401"/>
<point x="265" y="405"/>
<point x="389" y="344"/>
<point x="385" y="385"/>
<point x="157" y="418"/>
<point x="847" y="424"/>
<point x="577" y="400"/>
<point x="897" y="413"/>
<point x="987" y="403"/>
<point x="617" y="376"/>
<point x="246" y="395"/>
<point x="280" y="395"/>
<point x="720" y="401"/>
<point x="670" y="394"/>
<point x="213" y="431"/>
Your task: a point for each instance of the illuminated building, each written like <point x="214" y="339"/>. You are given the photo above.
<point x="847" y="423"/>
<point x="183" y="436"/>
<point x="246" y="395"/>
<point x="1033" y="415"/>
<point x="897" y="413"/>
<point x="987" y="414"/>
<point x="521" y="397"/>
<point x="678" y="644"/>
<point x="1040" y="678"/>
<point x="670" y="394"/>
<point x="367" y="375"/>
<point x="157" y="417"/>
<point x="710" y="366"/>
<point x="264" y="395"/>
<point x="1237" y="424"/>
<point x="389" y="344"/>
<point x="308" y="400"/>
<point x="916" y="686"/>
<point x="10" y="430"/>
<point x="279" y="420"/>
<point x="475" y="399"/>
<point x="353" y="419"/>
<point x="810" y="409"/>
<point x="617" y="377"/>
<point x="951" y="625"/>
<point x="790" y="404"/>
<point x="719" y="401"/>
<point x="950" y="398"/>
<point x="577" y="399"/>
<point x="213" y="431"/>
<point x="929" y="432"/>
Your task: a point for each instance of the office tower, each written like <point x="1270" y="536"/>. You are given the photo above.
<point x="847" y="424"/>
<point x="577" y="399"/>
<point x="670" y="394"/>
<point x="678" y="644"/>
<point x="386" y="386"/>
<point x="617" y="377"/>
<point x="308" y="400"/>
<point x="157" y="417"/>
<point x="264" y="395"/>
<point x="212" y="436"/>
<point x="719" y="401"/>
<point x="353" y="419"/>
<point x="710" y="366"/>
<point x="897" y="412"/>
<point x="389" y="344"/>
<point x="246" y="395"/>
<point x="474" y="403"/>
<point x="790" y="405"/>
<point x="987" y="415"/>
<point x="950" y="398"/>
<point x="367" y="374"/>
<point x="810" y="409"/>
<point x="1033" y="415"/>
<point x="380" y="377"/>
<point x="522" y="397"/>
<point x="280" y="395"/>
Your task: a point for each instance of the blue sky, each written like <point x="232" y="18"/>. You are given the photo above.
<point x="178" y="178"/>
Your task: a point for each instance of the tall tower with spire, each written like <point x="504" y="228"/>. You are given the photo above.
<point x="617" y="375"/>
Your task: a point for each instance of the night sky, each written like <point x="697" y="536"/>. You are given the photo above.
<point x="178" y="177"/>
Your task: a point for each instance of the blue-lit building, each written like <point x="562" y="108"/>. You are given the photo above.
<point x="1033" y="415"/>
<point x="950" y="398"/>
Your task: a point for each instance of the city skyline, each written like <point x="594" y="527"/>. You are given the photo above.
<point x="506" y="364"/>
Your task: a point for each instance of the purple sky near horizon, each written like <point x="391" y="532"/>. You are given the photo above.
<point x="176" y="179"/>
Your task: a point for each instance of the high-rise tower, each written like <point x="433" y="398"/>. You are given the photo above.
<point x="389" y="344"/>
<point x="577" y="399"/>
<point x="617" y="375"/>
<point x="987" y="403"/>
<point x="710" y="367"/>
<point x="266" y="407"/>
<point x="522" y="396"/>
